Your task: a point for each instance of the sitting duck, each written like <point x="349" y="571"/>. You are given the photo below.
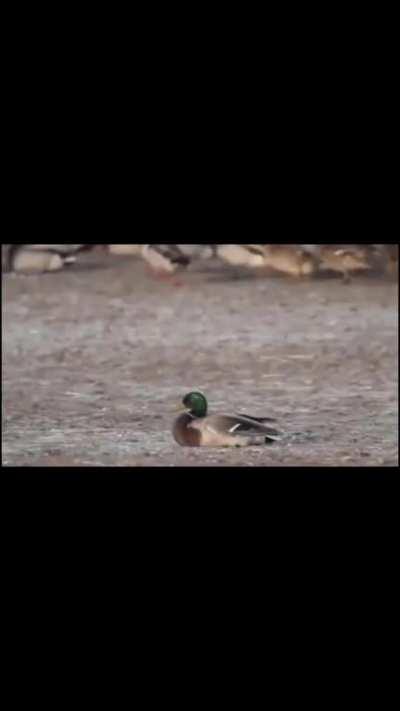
<point x="344" y="259"/>
<point x="242" y="255"/>
<point x="292" y="259"/>
<point x="195" y="428"/>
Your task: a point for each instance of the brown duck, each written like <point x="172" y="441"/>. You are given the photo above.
<point x="195" y="428"/>
<point x="392" y="266"/>
<point x="242" y="255"/>
<point x="344" y="259"/>
<point x="290" y="259"/>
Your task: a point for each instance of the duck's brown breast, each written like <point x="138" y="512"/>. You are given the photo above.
<point x="183" y="434"/>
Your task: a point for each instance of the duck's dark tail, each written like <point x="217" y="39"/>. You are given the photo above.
<point x="257" y="441"/>
<point x="272" y="440"/>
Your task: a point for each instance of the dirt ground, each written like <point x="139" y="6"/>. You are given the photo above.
<point x="97" y="358"/>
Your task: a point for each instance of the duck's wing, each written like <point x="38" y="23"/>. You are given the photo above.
<point x="234" y="424"/>
<point x="247" y="423"/>
<point x="257" y="419"/>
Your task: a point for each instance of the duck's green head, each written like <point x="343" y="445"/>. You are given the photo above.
<point x="196" y="404"/>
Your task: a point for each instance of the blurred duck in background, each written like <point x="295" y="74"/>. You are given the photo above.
<point x="389" y="254"/>
<point x="292" y="259"/>
<point x="344" y="259"/>
<point x="164" y="259"/>
<point x="242" y="255"/>
<point x="34" y="258"/>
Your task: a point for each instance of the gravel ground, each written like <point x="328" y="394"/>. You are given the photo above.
<point x="97" y="358"/>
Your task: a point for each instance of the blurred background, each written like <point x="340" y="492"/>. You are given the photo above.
<point x="100" y="343"/>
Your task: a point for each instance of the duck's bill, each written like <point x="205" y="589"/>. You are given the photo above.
<point x="181" y="408"/>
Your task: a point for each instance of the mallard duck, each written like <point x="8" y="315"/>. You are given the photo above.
<point x="164" y="259"/>
<point x="344" y="259"/>
<point x="195" y="428"/>
<point x="291" y="259"/>
<point x="242" y="255"/>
